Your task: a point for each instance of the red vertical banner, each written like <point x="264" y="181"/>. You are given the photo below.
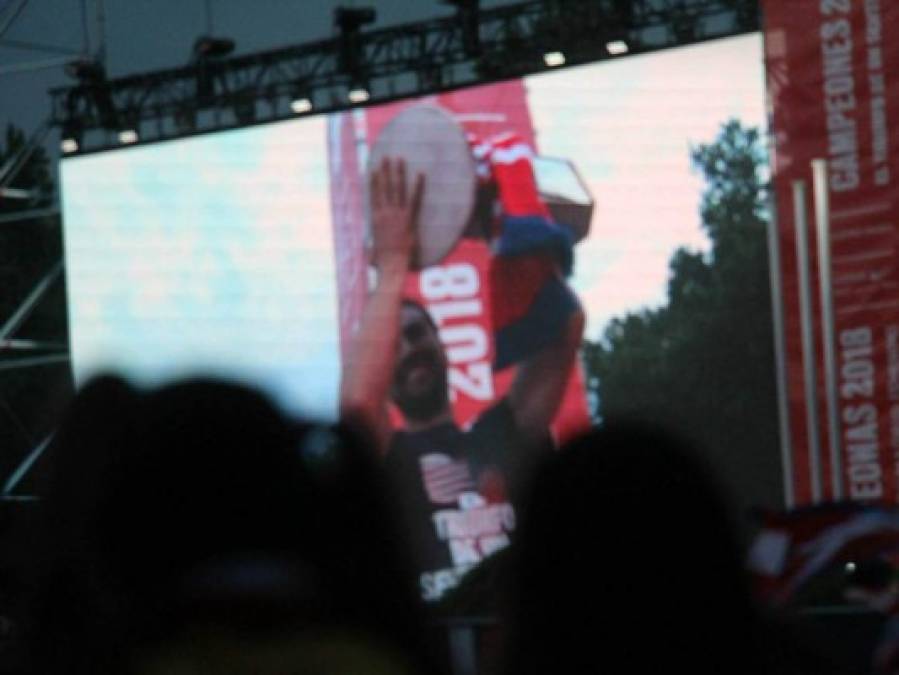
<point x="346" y="154"/>
<point x="833" y="84"/>
<point x="457" y="289"/>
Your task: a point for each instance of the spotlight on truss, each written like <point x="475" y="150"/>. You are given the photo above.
<point x="301" y="105"/>
<point x="208" y="47"/>
<point x="553" y="59"/>
<point x="350" y="20"/>
<point x="617" y="47"/>
<point x="86" y="70"/>
<point x="128" y="136"/>
<point x="70" y="138"/>
<point x="358" y="95"/>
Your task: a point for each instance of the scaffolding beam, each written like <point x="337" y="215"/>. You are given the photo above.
<point x="18" y="317"/>
<point x="397" y="62"/>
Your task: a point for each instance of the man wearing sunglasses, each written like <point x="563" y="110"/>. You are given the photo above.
<point x="454" y="486"/>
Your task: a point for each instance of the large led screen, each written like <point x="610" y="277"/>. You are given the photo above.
<point x="207" y="255"/>
<point x="447" y="315"/>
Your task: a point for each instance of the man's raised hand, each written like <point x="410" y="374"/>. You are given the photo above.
<point x="394" y="214"/>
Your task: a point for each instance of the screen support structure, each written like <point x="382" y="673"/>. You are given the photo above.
<point x="16" y="476"/>
<point x="810" y="359"/>
<point x="822" y="220"/>
<point x="777" y="321"/>
<point x="49" y="353"/>
<point x="14" y="164"/>
<point x="409" y="60"/>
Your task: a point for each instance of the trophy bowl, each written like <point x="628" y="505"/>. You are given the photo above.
<point x="431" y="143"/>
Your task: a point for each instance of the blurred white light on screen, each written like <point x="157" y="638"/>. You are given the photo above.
<point x="301" y="105"/>
<point x="69" y="145"/>
<point x="616" y="47"/>
<point x="128" y="136"/>
<point x="553" y="59"/>
<point x="358" y="95"/>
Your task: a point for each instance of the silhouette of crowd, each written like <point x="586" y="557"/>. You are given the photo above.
<point x="195" y="528"/>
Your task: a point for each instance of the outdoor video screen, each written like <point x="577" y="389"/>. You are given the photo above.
<point x="306" y="258"/>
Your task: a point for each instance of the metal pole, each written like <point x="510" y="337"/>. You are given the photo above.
<point x="29" y="345"/>
<point x="29" y="214"/>
<point x="101" y="30"/>
<point x="29" y="303"/>
<point x="38" y="47"/>
<point x="85" y="32"/>
<point x="14" y="164"/>
<point x="26" y="464"/>
<point x="780" y="360"/>
<point x="208" y="8"/>
<point x="463" y="651"/>
<point x="34" y="361"/>
<point x="39" y="64"/>
<point x="809" y="360"/>
<point x="12" y="15"/>
<point x="822" y="220"/>
<point x="16" y="193"/>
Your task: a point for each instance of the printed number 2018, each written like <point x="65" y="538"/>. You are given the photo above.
<point x="451" y="293"/>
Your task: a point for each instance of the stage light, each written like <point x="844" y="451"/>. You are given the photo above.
<point x="351" y="19"/>
<point x="617" y="47"/>
<point x="358" y="95"/>
<point x="92" y="76"/>
<point x="86" y="70"/>
<point x="127" y="136"/>
<point x="553" y="59"/>
<point x="70" y="138"/>
<point x="208" y="47"/>
<point x="207" y="52"/>
<point x="301" y="105"/>
<point x="16" y="193"/>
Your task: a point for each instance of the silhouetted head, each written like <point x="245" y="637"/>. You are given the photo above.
<point x="626" y="555"/>
<point x="199" y="509"/>
<point x="419" y="387"/>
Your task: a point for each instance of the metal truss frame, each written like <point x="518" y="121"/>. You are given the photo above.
<point x="408" y="60"/>
<point x="37" y="354"/>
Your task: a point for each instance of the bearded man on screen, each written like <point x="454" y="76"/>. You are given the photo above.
<point x="452" y="484"/>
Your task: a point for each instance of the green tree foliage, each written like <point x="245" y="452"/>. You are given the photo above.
<point x="703" y="364"/>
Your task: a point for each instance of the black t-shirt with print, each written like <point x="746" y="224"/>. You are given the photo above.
<point x="452" y="488"/>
